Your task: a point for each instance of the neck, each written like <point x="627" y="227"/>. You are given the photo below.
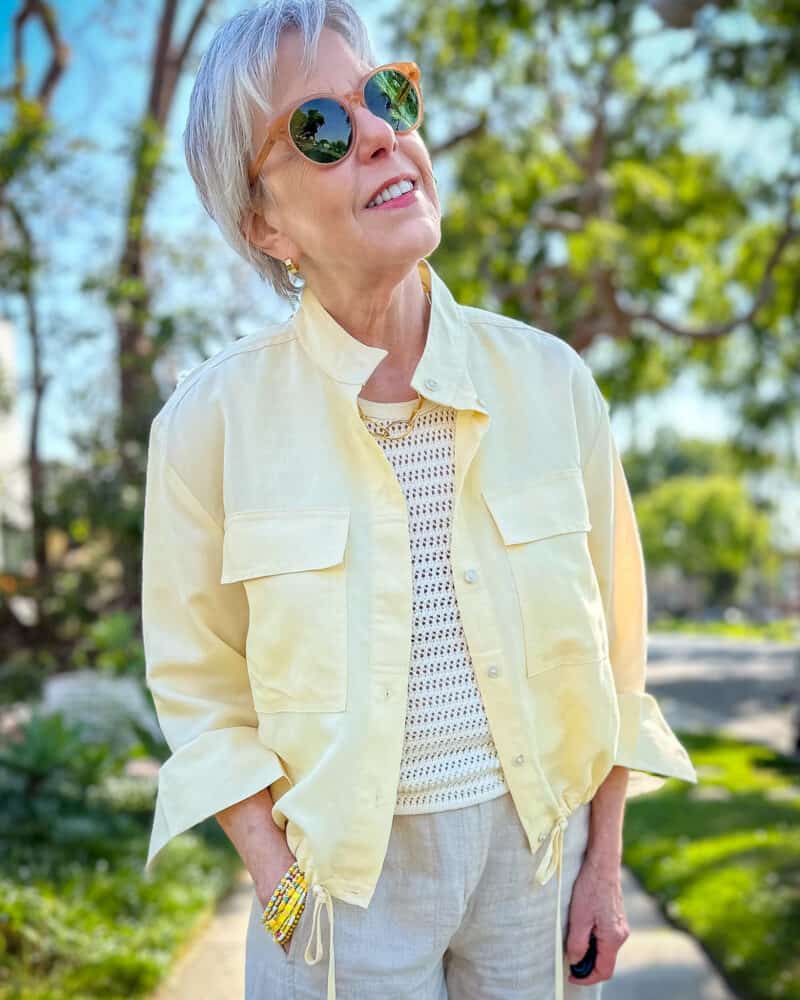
<point x="394" y="318"/>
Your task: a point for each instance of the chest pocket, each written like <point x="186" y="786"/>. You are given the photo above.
<point x="292" y="565"/>
<point x="544" y="524"/>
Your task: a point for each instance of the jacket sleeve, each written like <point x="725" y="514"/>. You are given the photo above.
<point x="194" y="630"/>
<point x="646" y="741"/>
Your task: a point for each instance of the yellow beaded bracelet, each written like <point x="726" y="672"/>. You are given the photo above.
<point x="282" y="912"/>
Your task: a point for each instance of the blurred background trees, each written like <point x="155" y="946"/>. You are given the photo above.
<point x="580" y="195"/>
<point x="583" y="202"/>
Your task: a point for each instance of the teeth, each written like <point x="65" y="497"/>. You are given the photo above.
<point x="393" y="191"/>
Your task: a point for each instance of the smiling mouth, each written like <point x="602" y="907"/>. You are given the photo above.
<point x="398" y="198"/>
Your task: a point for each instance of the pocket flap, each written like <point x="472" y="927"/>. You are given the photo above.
<point x="548" y="505"/>
<point x="264" y="542"/>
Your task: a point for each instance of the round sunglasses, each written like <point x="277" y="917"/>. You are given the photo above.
<point x="322" y="127"/>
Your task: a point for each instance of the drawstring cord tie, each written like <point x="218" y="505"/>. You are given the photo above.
<point x="322" y="898"/>
<point x="551" y="862"/>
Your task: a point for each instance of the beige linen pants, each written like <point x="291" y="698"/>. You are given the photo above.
<point x="456" y="914"/>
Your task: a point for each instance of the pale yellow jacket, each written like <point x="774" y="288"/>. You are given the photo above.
<point x="277" y="588"/>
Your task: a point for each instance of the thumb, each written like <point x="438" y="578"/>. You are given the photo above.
<point x="578" y="940"/>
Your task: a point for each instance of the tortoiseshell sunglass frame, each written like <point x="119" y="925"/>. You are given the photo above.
<point x="279" y="129"/>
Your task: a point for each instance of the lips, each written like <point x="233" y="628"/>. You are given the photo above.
<point x="392" y="180"/>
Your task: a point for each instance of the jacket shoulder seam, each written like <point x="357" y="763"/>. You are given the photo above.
<point x="507" y="323"/>
<point x="231" y="351"/>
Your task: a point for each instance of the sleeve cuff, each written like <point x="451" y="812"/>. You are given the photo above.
<point x="646" y="741"/>
<point x="214" y="771"/>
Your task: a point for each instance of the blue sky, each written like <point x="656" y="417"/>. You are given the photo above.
<point x="99" y="97"/>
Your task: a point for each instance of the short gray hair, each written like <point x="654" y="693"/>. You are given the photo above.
<point x="235" y="74"/>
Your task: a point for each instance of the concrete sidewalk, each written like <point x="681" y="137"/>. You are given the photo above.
<point x="212" y="968"/>
<point x="657" y="961"/>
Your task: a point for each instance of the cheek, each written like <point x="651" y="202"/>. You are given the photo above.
<point x="417" y="152"/>
<point x="316" y="195"/>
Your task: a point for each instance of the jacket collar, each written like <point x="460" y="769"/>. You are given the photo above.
<point x="441" y="375"/>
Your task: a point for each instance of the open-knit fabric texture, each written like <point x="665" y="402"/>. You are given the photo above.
<point x="449" y="758"/>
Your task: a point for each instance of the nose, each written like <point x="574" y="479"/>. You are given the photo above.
<point x="374" y="134"/>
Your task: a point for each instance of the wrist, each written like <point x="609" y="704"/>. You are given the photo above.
<point x="266" y="886"/>
<point x="604" y="860"/>
<point x="269" y="877"/>
<point x="263" y="895"/>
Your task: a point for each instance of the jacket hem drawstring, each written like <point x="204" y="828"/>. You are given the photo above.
<point x="322" y="897"/>
<point x="551" y="862"/>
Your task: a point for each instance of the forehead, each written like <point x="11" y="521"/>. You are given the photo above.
<point x="335" y="68"/>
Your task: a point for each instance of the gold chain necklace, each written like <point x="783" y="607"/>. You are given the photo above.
<point x="404" y="431"/>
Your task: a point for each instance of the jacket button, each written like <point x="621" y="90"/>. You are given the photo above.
<point x="520" y="758"/>
<point x="542" y="837"/>
<point x="471" y="575"/>
<point x="493" y="671"/>
<point x="431" y="383"/>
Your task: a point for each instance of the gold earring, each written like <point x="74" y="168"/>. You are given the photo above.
<point x="291" y="267"/>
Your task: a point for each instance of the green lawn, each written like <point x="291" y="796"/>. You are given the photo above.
<point x="723" y="858"/>
<point x="781" y="630"/>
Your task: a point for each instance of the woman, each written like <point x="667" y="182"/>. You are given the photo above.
<point x="394" y="604"/>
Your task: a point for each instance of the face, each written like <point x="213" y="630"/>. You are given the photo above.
<point x="319" y="216"/>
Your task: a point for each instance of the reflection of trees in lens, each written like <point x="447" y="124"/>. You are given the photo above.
<point x="305" y="125"/>
<point x="391" y="95"/>
<point x="304" y="128"/>
<point x="327" y="151"/>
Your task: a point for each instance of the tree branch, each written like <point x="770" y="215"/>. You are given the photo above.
<point x="59" y="49"/>
<point x="474" y="130"/>
<point x="200" y="15"/>
<point x="765" y="288"/>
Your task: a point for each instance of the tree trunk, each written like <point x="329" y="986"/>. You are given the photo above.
<point x="138" y="392"/>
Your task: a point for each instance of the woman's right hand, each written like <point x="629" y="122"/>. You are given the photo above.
<point x="268" y="881"/>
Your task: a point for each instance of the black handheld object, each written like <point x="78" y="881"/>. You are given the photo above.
<point x="585" y="966"/>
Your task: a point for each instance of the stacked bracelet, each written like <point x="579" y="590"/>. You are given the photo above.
<point x="287" y="902"/>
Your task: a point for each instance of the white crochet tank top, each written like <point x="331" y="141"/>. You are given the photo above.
<point x="449" y="758"/>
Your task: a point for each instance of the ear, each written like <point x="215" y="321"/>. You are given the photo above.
<point x="257" y="230"/>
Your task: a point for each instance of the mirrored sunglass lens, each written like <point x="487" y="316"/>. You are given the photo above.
<point x="392" y="96"/>
<point x="321" y="130"/>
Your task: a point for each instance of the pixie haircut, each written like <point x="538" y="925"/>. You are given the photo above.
<point x="236" y="76"/>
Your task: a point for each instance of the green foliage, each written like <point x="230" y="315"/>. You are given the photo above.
<point x="23" y="671"/>
<point x="723" y="858"/>
<point x="147" y="142"/>
<point x="708" y="527"/>
<point x="112" y="644"/>
<point x="25" y="141"/>
<point x="78" y="916"/>
<point x="756" y="53"/>
<point x="51" y="787"/>
<point x="670" y="454"/>
<point x="101" y="931"/>
<point x="581" y="202"/>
